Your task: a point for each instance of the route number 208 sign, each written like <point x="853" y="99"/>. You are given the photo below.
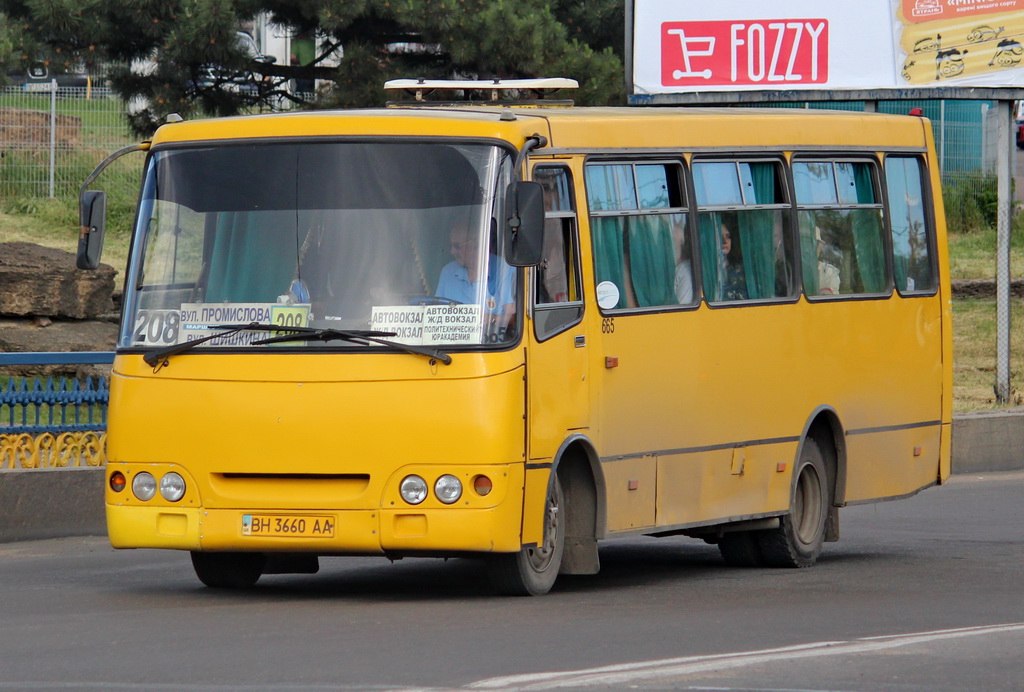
<point x="192" y="321"/>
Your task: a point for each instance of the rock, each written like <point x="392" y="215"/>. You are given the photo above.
<point x="87" y="335"/>
<point x="42" y="281"/>
<point x="22" y="335"/>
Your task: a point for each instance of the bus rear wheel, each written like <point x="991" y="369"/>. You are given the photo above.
<point x="228" y="570"/>
<point x="532" y="571"/>
<point x="801" y="534"/>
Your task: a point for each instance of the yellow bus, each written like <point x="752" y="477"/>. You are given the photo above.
<point x="512" y="333"/>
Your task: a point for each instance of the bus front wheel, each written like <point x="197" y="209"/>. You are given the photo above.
<point x="800" y="536"/>
<point x="532" y="571"/>
<point x="228" y="570"/>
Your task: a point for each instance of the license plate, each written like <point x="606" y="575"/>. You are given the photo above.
<point x="288" y="525"/>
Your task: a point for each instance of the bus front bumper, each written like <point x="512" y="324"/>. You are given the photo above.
<point x="369" y="532"/>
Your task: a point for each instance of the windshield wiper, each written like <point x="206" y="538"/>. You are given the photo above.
<point x="162" y="354"/>
<point x="355" y="336"/>
<point x="158" y="358"/>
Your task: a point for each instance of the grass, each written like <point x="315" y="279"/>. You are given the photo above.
<point x="54" y="223"/>
<point x="26" y="214"/>
<point x="972" y="255"/>
<point x="974" y="353"/>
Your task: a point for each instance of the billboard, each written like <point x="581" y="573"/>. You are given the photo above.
<point x="695" y="45"/>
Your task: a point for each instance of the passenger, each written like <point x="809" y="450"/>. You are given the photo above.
<point x="460" y="279"/>
<point x="554" y="280"/>
<point x="734" y="282"/>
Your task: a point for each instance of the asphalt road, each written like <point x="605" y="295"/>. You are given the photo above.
<point x="922" y="594"/>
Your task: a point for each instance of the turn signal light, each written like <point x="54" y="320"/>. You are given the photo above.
<point x="482" y="485"/>
<point x="117" y="481"/>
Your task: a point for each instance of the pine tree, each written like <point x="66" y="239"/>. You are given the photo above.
<point x="160" y="53"/>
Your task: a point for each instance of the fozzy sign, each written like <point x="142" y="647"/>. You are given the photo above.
<point x="758" y="52"/>
<point x="686" y="46"/>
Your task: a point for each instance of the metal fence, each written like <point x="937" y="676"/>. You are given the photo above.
<point x="964" y="131"/>
<point x="50" y="140"/>
<point x="55" y="405"/>
<point x="53" y="422"/>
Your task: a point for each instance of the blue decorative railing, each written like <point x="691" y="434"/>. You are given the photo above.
<point x="63" y="406"/>
<point x="54" y="405"/>
<point x="53" y="423"/>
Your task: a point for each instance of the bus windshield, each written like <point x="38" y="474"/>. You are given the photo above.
<point x="396" y="237"/>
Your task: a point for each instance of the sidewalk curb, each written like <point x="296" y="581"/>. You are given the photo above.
<point x="988" y="440"/>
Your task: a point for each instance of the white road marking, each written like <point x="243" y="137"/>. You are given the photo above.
<point x="671" y="667"/>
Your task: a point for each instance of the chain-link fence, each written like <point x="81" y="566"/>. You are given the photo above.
<point x="964" y="130"/>
<point x="965" y="135"/>
<point x="51" y="140"/>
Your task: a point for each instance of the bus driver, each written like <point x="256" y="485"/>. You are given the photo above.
<point x="460" y="279"/>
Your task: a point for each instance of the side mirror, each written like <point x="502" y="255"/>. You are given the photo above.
<point x="524" y="223"/>
<point x="92" y="209"/>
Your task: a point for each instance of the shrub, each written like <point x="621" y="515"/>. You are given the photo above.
<point x="971" y="201"/>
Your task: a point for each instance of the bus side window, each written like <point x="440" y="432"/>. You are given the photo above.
<point x="557" y="294"/>
<point x="840" y="219"/>
<point x="638" y="224"/>
<point x="745" y="248"/>
<point x="911" y="243"/>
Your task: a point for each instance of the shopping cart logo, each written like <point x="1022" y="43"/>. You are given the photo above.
<point x="765" y="52"/>
<point x="688" y="46"/>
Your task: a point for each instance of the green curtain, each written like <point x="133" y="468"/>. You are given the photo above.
<point x="608" y="253"/>
<point x="867" y="245"/>
<point x="253" y="257"/>
<point x="808" y="252"/>
<point x="651" y="260"/>
<point x="711" y="254"/>
<point x="758" y="252"/>
<point x="756" y="239"/>
<point x="867" y="233"/>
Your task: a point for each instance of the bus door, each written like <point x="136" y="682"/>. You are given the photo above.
<point x="558" y="387"/>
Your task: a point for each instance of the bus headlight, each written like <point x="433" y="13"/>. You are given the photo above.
<point x="413" y="490"/>
<point x="172" y="487"/>
<point x="144" y="486"/>
<point x="448" y="489"/>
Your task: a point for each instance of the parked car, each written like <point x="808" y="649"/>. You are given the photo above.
<point x="38" y="77"/>
<point x="245" y="81"/>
